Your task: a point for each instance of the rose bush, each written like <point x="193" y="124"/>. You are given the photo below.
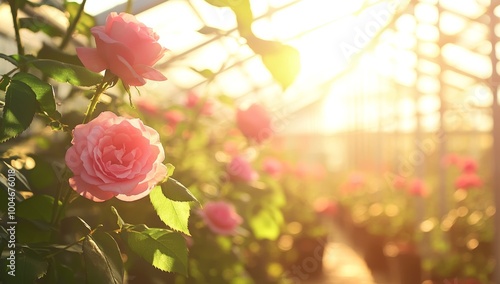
<point x="127" y="48"/>
<point x="114" y="156"/>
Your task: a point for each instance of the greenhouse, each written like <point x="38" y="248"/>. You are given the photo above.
<point x="249" y="141"/>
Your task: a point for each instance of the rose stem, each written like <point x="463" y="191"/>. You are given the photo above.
<point x="72" y="26"/>
<point x="95" y="99"/>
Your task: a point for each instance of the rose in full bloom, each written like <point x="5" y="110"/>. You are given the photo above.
<point x="239" y="169"/>
<point x="126" y="47"/>
<point x="115" y="156"/>
<point x="254" y="123"/>
<point x="221" y="217"/>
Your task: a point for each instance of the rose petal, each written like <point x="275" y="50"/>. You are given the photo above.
<point x="149" y="73"/>
<point x="89" y="191"/>
<point x="91" y="59"/>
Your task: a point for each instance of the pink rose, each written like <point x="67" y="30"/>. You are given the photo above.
<point x="399" y="182"/>
<point x="325" y="207"/>
<point x="115" y="156"/>
<point x="221" y="217"/>
<point x="468" y="165"/>
<point x="468" y="180"/>
<point x="239" y="169"/>
<point x="193" y="100"/>
<point x="126" y="47"/>
<point x="173" y="117"/>
<point x="273" y="167"/>
<point x="254" y="123"/>
<point x="418" y="188"/>
<point x="147" y="107"/>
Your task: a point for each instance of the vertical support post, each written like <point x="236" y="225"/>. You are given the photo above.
<point x="494" y="81"/>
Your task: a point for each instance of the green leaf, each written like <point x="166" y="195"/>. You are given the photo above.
<point x="119" y="220"/>
<point x="37" y="207"/>
<point x="85" y="22"/>
<point x="243" y="12"/>
<point x="266" y="223"/>
<point x="19" y="176"/>
<point x="43" y="91"/>
<point x="282" y="61"/>
<point x="64" y="72"/>
<point x="174" y="190"/>
<point x="103" y="263"/>
<point x="227" y="100"/>
<point x="29" y="267"/>
<point x="4" y="82"/>
<point x="164" y="249"/>
<point x="36" y="25"/>
<point x="5" y="185"/>
<point x="206" y="73"/>
<point x="19" y="110"/>
<point x="9" y="59"/>
<point x="173" y="213"/>
<point x="49" y="52"/>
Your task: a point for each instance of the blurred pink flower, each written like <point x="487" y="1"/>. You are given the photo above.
<point x="273" y="167"/>
<point x="452" y="160"/>
<point x="173" y="117"/>
<point x="231" y="148"/>
<point x="126" y="47"/>
<point x="469" y="165"/>
<point x="254" y="123"/>
<point x="114" y="156"/>
<point x="239" y="169"/>
<point x="193" y="100"/>
<point x="468" y="180"/>
<point x="399" y="182"/>
<point x="417" y="188"/>
<point x="146" y="107"/>
<point x="325" y="207"/>
<point x="221" y="217"/>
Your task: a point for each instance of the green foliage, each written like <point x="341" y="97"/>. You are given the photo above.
<point x="36" y="25"/>
<point x="103" y="261"/>
<point x="174" y="214"/>
<point x="162" y="248"/>
<point x="66" y="73"/>
<point x="43" y="91"/>
<point x="29" y="267"/>
<point x="19" y="110"/>
<point x="85" y="22"/>
<point x="10" y="59"/>
<point x="38" y="207"/>
<point x="282" y="61"/>
<point x="175" y="191"/>
<point x="266" y="222"/>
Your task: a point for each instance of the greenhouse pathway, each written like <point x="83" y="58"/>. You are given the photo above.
<point x="342" y="265"/>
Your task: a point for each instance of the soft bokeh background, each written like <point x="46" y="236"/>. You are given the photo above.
<point x="387" y="90"/>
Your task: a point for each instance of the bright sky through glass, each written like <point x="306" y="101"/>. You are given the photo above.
<point x="390" y="49"/>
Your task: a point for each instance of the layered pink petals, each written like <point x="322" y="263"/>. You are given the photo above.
<point x="114" y="156"/>
<point x="221" y="217"/>
<point x="127" y="48"/>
